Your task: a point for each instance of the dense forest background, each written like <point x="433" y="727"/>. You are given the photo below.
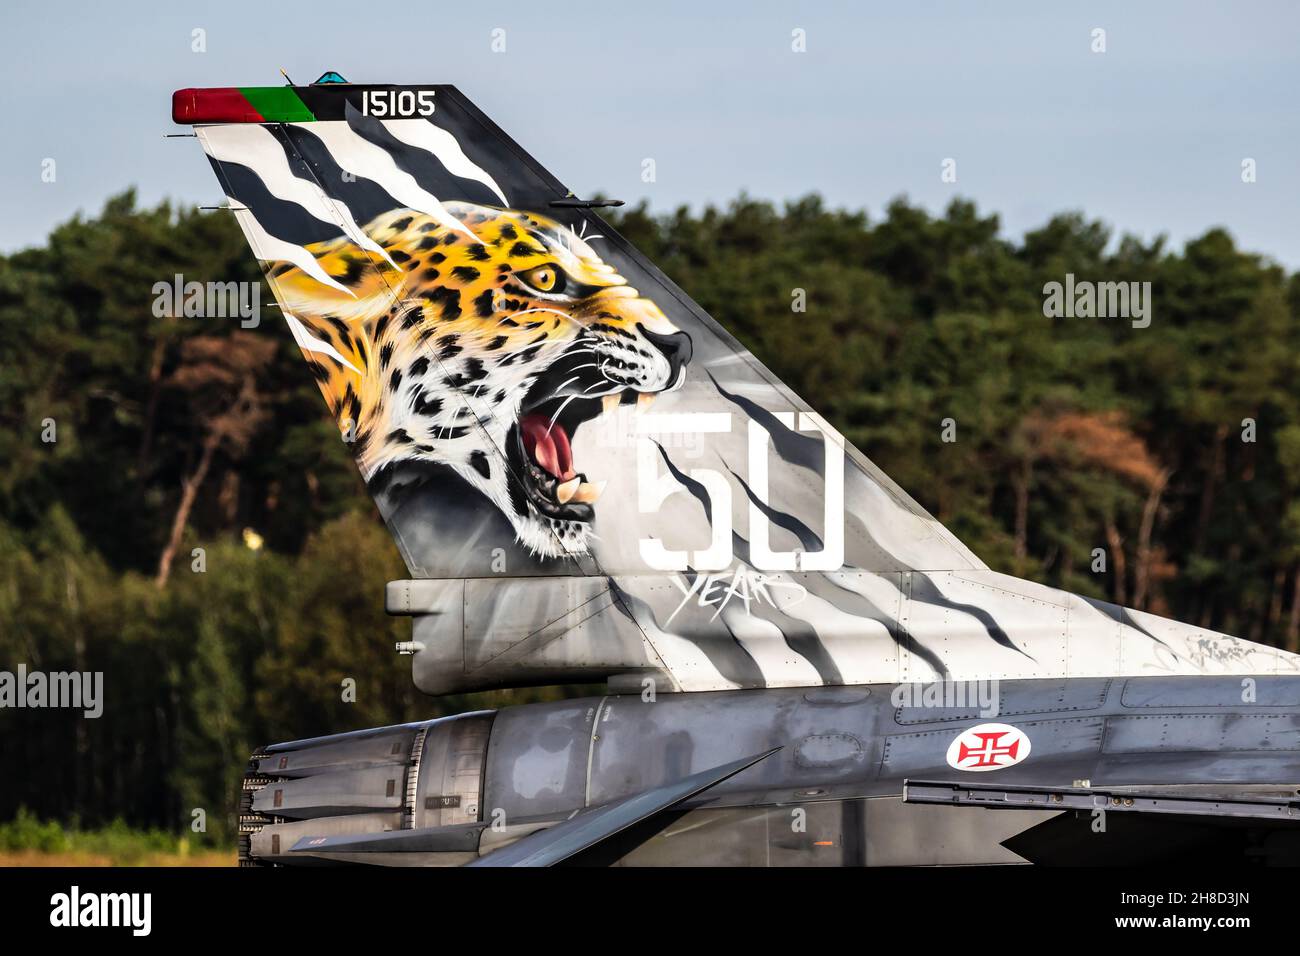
<point x="177" y="433"/>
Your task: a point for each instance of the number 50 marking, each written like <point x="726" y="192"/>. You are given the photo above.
<point x="654" y="488"/>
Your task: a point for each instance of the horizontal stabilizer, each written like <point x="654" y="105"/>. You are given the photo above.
<point x="585" y="830"/>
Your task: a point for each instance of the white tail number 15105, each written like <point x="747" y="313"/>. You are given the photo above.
<point x="397" y="103"/>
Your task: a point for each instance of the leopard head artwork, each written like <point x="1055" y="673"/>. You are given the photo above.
<point x="481" y="339"/>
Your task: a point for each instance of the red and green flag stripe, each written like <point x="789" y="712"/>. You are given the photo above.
<point x="240" y="104"/>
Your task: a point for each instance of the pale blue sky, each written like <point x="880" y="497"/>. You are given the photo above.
<point x="1148" y="136"/>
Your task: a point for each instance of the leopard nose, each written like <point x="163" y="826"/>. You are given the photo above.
<point x="676" y="348"/>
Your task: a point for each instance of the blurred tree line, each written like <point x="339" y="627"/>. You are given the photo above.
<point x="177" y="433"/>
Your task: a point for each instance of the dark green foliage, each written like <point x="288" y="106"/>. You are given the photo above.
<point x="1073" y="434"/>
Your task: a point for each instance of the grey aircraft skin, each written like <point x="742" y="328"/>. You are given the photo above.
<point x="592" y="482"/>
<point x="457" y="790"/>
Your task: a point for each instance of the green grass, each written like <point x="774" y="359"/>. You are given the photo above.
<point x="121" y="844"/>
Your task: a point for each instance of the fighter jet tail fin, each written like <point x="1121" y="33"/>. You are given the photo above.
<point x="587" y="477"/>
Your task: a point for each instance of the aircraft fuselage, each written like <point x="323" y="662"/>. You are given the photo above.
<point x="831" y="795"/>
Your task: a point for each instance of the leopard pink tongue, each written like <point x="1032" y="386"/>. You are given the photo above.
<point x="563" y="452"/>
<point x="547" y="445"/>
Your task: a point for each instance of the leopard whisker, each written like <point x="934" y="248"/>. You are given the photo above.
<point x="551" y="426"/>
<point x="559" y="388"/>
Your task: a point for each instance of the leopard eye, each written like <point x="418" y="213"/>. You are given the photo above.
<point x="544" y="278"/>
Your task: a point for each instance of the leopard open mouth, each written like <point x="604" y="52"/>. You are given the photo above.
<point x="540" y="444"/>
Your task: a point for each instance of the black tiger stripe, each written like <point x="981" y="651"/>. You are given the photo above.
<point x="423" y="166"/>
<point x="310" y="160"/>
<point x="281" y="218"/>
